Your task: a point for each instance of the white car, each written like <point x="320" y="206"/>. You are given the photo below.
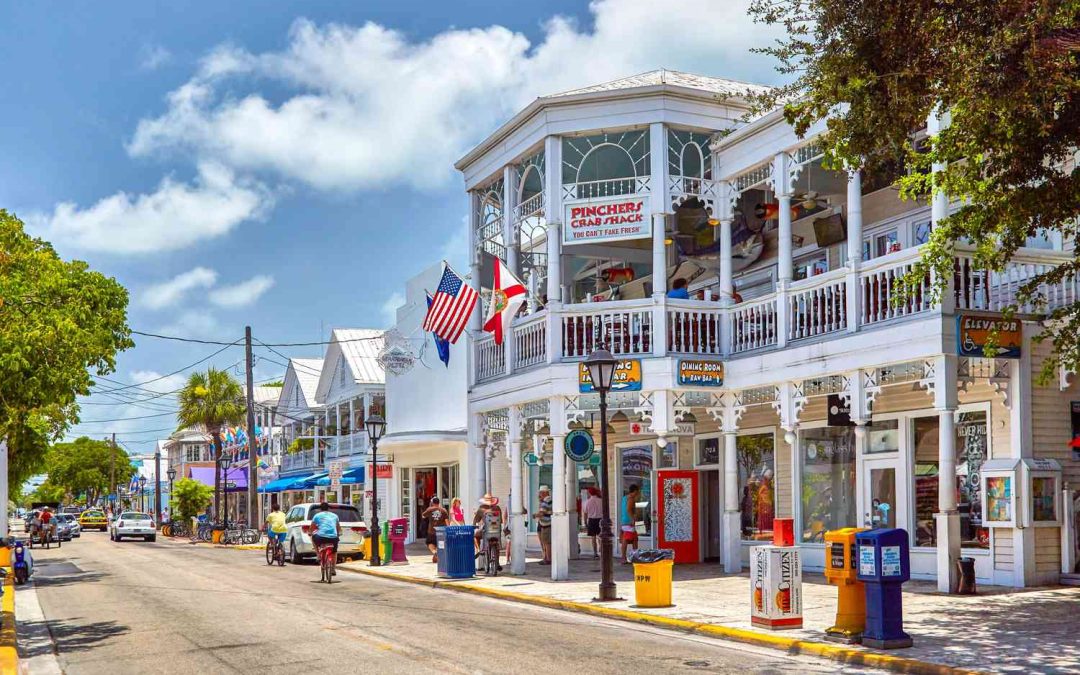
<point x="133" y="524"/>
<point x="298" y="535"/>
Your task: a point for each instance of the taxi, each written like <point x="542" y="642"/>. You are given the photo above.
<point x="93" y="519"/>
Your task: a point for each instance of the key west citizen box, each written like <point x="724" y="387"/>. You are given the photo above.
<point x="602" y="198"/>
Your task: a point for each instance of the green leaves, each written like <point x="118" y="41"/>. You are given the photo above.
<point x="189" y="498"/>
<point x="84" y="466"/>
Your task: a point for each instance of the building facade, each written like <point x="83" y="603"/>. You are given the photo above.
<point x="767" y="369"/>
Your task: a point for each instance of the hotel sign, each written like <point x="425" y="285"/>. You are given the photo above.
<point x="698" y="373"/>
<point x="974" y="332"/>
<point x="610" y="219"/>
<point x="627" y="377"/>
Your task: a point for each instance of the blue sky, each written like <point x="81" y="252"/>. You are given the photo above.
<point x="288" y="165"/>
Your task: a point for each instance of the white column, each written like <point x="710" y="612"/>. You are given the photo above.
<point x="352" y="424"/>
<point x="518" y="530"/>
<point x="659" y="206"/>
<point x="947" y="518"/>
<point x="939" y="203"/>
<point x="726" y="285"/>
<point x="732" y="521"/>
<point x="510" y="238"/>
<point x="781" y="183"/>
<point x="560" y="524"/>
<point x="475" y="465"/>
<point x="854" y="246"/>
<point x="4" y="491"/>
<point x="572" y="516"/>
<point x="553" y="213"/>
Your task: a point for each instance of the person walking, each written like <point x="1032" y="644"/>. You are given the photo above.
<point x="543" y="523"/>
<point x="436" y="516"/>
<point x="628" y="531"/>
<point x="594" y="511"/>
<point x="457" y="515"/>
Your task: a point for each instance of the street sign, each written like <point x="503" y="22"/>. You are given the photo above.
<point x="335" y="470"/>
<point x="975" y="332"/>
<point x="627" y="377"/>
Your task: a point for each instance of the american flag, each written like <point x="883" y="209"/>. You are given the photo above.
<point x="451" y="306"/>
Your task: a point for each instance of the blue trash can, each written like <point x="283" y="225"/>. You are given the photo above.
<point x="440" y="548"/>
<point x="460" y="552"/>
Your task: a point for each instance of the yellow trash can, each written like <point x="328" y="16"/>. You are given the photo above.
<point x="383" y="555"/>
<point x="652" y="583"/>
<point x="5" y="556"/>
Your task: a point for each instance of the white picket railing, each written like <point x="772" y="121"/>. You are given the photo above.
<point x="490" y="362"/>
<point x="693" y="328"/>
<point x="754" y="324"/>
<point x="305" y="459"/>
<point x="530" y="341"/>
<point x="623" y="326"/>
<point x="611" y="187"/>
<point x="818" y="306"/>
<point x="981" y="289"/>
<point x="879" y="282"/>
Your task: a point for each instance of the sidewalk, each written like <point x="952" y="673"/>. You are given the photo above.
<point x="999" y="630"/>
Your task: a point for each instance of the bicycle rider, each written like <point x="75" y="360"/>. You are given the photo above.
<point x="327" y="528"/>
<point x="491" y="519"/>
<point x="275" y="525"/>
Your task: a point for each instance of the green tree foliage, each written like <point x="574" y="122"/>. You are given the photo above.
<point x="210" y="401"/>
<point x="189" y="498"/>
<point x="84" y="465"/>
<point x="59" y="323"/>
<point x="1008" y="74"/>
<point x="46" y="492"/>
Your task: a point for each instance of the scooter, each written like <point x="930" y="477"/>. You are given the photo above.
<point x="22" y="564"/>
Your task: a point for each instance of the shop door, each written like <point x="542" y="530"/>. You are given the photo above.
<point x="678" y="526"/>
<point x="425" y="489"/>
<point x="711" y="509"/>
<point x="884" y="493"/>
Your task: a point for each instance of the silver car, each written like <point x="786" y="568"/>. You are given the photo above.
<point x="67" y="526"/>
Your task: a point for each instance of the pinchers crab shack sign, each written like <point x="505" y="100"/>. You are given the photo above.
<point x="606" y="220"/>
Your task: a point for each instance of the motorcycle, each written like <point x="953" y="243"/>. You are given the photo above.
<point x="22" y="563"/>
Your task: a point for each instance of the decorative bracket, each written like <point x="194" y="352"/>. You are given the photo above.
<point x="785" y="171"/>
<point x="727" y="409"/>
<point x="861" y="390"/>
<point x="789" y="403"/>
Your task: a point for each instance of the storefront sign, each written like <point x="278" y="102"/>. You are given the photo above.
<point x="627" y="377"/>
<point x="384" y="470"/>
<point x="335" y="469"/>
<point x="839" y="412"/>
<point x="579" y="445"/>
<point x="974" y="332"/>
<point x="698" y="373"/>
<point x="610" y="219"/>
<point x="681" y="429"/>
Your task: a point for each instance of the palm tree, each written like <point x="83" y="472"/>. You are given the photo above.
<point x="211" y="401"/>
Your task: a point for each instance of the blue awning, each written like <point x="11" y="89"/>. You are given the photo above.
<point x="287" y="483"/>
<point x="350" y="477"/>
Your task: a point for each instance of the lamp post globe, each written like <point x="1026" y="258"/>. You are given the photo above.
<point x="601" y="366"/>
<point x="376" y="427"/>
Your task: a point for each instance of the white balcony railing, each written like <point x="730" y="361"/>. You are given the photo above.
<point x="623" y="326"/>
<point x="832" y="303"/>
<point x="612" y="187"/>
<point x="346" y="445"/>
<point x="818" y="306"/>
<point x="304" y="459"/>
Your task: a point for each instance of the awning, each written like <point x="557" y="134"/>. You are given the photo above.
<point x="287" y="483"/>
<point x="235" y="479"/>
<point x="350" y="477"/>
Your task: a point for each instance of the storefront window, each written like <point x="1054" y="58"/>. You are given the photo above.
<point x="636" y="465"/>
<point x="971" y="450"/>
<point x="757" y="487"/>
<point x="448" y="483"/>
<point x="708" y="451"/>
<point x="827" y="459"/>
<point x="588" y="476"/>
<point x="883" y="436"/>
<point x="669" y="455"/>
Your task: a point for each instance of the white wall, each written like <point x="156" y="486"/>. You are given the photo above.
<point x="430" y="396"/>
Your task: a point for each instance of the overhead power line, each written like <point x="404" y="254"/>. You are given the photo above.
<point x="175" y="372"/>
<point x="124" y="419"/>
<point x="264" y="344"/>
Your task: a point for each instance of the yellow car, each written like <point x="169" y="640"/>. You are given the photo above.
<point x="93" y="520"/>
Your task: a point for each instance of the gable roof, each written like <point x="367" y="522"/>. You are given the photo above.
<point x="302" y="374"/>
<point x="652" y="78"/>
<point x="359" y="349"/>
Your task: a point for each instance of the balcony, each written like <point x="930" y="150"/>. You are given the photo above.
<point x="824" y="306"/>
<point x="347" y="445"/>
<point x="300" y="461"/>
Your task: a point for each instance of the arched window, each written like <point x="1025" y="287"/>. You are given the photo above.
<point x="692" y="161"/>
<point x="532" y="184"/>
<point x="606" y="161"/>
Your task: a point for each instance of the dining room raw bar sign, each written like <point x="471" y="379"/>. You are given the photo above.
<point x="606" y="220"/>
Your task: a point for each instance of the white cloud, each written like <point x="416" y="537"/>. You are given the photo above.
<point x="152" y="57"/>
<point x="243" y="293"/>
<point x="455" y="250"/>
<point x="365" y="107"/>
<point x="196" y="324"/>
<point x="168" y="293"/>
<point x="390" y="308"/>
<point x="156" y="382"/>
<point x="174" y="216"/>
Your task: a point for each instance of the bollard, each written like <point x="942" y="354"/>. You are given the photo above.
<point x="840" y="557"/>
<point x="884" y="565"/>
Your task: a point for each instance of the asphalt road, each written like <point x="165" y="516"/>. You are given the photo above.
<point x="136" y="607"/>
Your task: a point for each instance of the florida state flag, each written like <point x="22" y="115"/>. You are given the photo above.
<point x="506" y="297"/>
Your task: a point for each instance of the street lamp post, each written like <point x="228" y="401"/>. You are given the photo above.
<point x="142" y="493"/>
<point x="171" y="473"/>
<point x="376" y="426"/>
<point x="601" y="366"/>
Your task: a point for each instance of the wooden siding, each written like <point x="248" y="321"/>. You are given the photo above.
<point x="1003" y="549"/>
<point x="1050" y="420"/>
<point x="1047" y="549"/>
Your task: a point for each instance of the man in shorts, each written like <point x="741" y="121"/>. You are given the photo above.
<point x="490" y="520"/>
<point x="436" y="516"/>
<point x="327" y="529"/>
<point x="628" y="531"/>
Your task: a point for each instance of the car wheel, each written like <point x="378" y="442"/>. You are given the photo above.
<point x="294" y="555"/>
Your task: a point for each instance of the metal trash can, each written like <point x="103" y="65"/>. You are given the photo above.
<point x="440" y="551"/>
<point x="966" y="568"/>
<point x="652" y="576"/>
<point x="460" y="552"/>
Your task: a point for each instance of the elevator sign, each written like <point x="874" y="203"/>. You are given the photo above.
<point x="609" y="219"/>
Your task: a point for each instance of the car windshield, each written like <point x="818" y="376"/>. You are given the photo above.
<point x="93" y="514"/>
<point x="134" y="515"/>
<point x="64" y="518"/>
<point x="346" y="514"/>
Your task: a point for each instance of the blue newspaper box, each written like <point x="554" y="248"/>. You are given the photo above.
<point x="884" y="565"/>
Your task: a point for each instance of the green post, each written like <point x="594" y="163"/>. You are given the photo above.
<point x="385" y="541"/>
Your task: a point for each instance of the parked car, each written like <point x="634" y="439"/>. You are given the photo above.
<point x="298" y="536"/>
<point x="93" y="519"/>
<point x="67" y="526"/>
<point x="133" y="524"/>
<point x="74" y="510"/>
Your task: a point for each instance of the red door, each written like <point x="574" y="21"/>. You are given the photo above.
<point x="678" y="514"/>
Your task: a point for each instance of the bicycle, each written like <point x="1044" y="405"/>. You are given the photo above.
<point x="327" y="563"/>
<point x="489" y="555"/>
<point x="275" y="552"/>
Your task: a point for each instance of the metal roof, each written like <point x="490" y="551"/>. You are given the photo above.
<point x="671" y="77"/>
<point x="307" y="375"/>
<point x="361" y="347"/>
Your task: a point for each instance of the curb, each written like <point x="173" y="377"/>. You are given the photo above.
<point x="790" y="645"/>
<point x="9" y="654"/>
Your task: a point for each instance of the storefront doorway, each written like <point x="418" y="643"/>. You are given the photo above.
<point x="425" y="487"/>
<point x="427" y="482"/>
<point x="712" y="505"/>
<point x="884" y="498"/>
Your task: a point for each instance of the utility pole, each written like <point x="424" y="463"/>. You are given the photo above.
<point x="254" y="519"/>
<point x="112" y="474"/>
<point x="157" y="487"/>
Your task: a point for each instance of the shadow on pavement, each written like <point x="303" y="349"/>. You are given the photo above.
<point x="71" y="635"/>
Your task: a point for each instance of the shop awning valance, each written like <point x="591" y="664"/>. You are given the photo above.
<point x="234" y="479"/>
<point x="287" y="483"/>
